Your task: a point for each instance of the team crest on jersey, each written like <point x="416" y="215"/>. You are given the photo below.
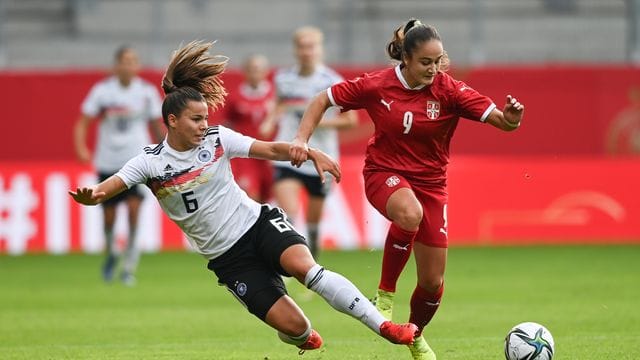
<point x="433" y="109"/>
<point x="204" y="155"/>
<point x="392" y="181"/>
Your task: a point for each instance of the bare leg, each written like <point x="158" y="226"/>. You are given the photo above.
<point x="109" y="212"/>
<point x="314" y="214"/>
<point x="132" y="254"/>
<point x="286" y="192"/>
<point x="286" y="317"/>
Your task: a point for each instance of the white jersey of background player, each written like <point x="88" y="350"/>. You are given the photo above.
<point x="295" y="87"/>
<point x="125" y="114"/>
<point x="125" y="106"/>
<point x="294" y="93"/>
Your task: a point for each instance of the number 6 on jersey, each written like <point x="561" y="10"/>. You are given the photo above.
<point x="190" y="204"/>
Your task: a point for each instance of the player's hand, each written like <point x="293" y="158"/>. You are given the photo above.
<point x="298" y="152"/>
<point x="513" y="111"/>
<point x="87" y="195"/>
<point x="324" y="162"/>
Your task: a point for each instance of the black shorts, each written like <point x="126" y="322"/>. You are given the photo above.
<point x="251" y="268"/>
<point x="314" y="186"/>
<point x="133" y="191"/>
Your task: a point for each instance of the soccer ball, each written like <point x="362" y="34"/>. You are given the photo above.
<point x="528" y="341"/>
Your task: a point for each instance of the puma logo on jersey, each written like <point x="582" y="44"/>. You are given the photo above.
<point x="387" y="104"/>
<point x="404" y="248"/>
<point x="463" y="88"/>
<point x="444" y="231"/>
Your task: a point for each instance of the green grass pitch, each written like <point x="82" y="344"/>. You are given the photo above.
<point x="56" y="307"/>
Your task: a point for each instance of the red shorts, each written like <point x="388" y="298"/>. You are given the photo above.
<point x="255" y="176"/>
<point x="379" y="186"/>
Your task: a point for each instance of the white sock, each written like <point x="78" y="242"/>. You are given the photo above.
<point x="343" y="296"/>
<point x="295" y="340"/>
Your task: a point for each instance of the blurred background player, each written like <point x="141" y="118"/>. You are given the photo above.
<point x="249" y="246"/>
<point x="295" y="87"/>
<point x="246" y="108"/>
<point x="415" y="107"/>
<point x="125" y="106"/>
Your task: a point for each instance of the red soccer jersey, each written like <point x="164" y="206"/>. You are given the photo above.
<point x="246" y="108"/>
<point x="413" y="127"/>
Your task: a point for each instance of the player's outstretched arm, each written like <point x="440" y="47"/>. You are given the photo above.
<point x="93" y="195"/>
<point x="270" y="150"/>
<point x="510" y="117"/>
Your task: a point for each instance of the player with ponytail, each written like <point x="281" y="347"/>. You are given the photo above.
<point x="415" y="107"/>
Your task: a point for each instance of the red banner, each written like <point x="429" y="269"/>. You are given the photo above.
<point x="587" y="110"/>
<point x="492" y="200"/>
<point x="533" y="200"/>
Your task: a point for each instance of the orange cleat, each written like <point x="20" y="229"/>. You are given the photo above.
<point x="398" y="333"/>
<point x="314" y="341"/>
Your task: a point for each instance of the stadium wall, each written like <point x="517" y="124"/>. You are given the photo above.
<point x="555" y="180"/>
<point x="578" y="110"/>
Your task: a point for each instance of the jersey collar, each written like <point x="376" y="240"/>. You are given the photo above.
<point x="404" y="82"/>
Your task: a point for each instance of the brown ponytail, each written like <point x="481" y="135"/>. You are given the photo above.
<point x="394" y="48"/>
<point x="192" y="66"/>
<point x="192" y="74"/>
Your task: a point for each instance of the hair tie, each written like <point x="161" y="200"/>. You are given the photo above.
<point x="415" y="24"/>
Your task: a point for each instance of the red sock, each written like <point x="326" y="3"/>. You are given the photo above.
<point x="397" y="250"/>
<point x="424" y="305"/>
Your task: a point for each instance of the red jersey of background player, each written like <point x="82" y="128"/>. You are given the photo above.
<point x="247" y="107"/>
<point x="413" y="127"/>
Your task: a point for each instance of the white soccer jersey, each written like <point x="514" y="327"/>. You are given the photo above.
<point x="125" y="113"/>
<point x="196" y="189"/>
<point x="296" y="92"/>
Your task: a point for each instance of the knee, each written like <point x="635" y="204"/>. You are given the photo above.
<point x="432" y="284"/>
<point x="408" y="218"/>
<point x="295" y="325"/>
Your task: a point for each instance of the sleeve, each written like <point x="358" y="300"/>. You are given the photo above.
<point x="470" y="103"/>
<point x="349" y="95"/>
<point x="135" y="171"/>
<point x="234" y="143"/>
<point x="155" y="103"/>
<point x="91" y="104"/>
